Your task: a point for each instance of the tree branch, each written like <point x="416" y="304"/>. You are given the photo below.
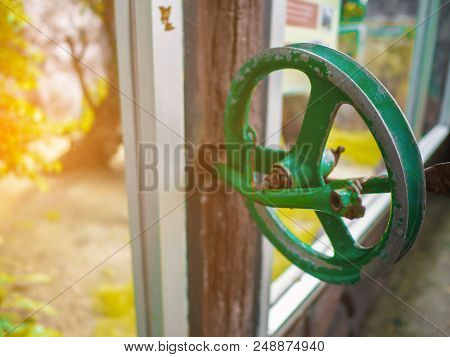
<point x="76" y="61"/>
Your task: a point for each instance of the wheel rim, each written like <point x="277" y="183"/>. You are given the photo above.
<point x="329" y="70"/>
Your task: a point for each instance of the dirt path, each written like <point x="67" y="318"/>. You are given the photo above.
<point x="64" y="233"/>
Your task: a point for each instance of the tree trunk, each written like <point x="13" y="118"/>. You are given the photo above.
<point x="96" y="147"/>
<point x="223" y="241"/>
<point x="99" y="144"/>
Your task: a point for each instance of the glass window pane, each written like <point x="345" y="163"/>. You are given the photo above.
<point x="377" y="33"/>
<point x="439" y="74"/>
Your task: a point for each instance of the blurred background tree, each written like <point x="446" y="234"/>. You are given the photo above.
<point x="98" y="145"/>
<point x="74" y="42"/>
<point x="22" y="122"/>
<point x="75" y="39"/>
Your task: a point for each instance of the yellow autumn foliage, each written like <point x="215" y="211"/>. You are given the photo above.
<point x="114" y="303"/>
<point x="22" y="123"/>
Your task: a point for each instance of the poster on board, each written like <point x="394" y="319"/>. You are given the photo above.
<point x="314" y="21"/>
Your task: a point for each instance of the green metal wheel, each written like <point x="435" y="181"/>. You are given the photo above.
<point x="297" y="178"/>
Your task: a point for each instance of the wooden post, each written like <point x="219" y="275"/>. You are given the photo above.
<point x="223" y="241"/>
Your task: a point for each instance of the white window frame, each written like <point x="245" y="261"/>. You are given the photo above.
<point x="150" y="61"/>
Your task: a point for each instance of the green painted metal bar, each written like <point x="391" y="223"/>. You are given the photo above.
<point x="376" y="184"/>
<point x="265" y="158"/>
<point x="371" y="185"/>
<point x="333" y="199"/>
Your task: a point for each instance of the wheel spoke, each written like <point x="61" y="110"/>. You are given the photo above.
<point x="340" y="237"/>
<point x="322" y="106"/>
